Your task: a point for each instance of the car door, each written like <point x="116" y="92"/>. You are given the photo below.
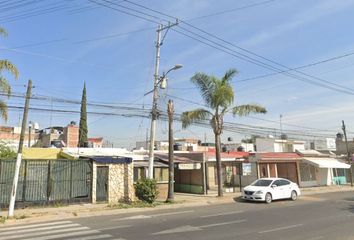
<point x="276" y="189"/>
<point x="286" y="188"/>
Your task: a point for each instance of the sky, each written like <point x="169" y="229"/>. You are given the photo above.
<point x="60" y="45"/>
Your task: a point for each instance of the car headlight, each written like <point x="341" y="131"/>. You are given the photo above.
<point x="259" y="192"/>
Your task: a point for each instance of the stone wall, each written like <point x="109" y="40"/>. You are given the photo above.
<point x="120" y="182"/>
<point x="120" y="187"/>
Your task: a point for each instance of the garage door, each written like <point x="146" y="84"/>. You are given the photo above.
<point x="288" y="171"/>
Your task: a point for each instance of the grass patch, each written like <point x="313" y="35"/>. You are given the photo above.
<point x="23" y="216"/>
<point x="140" y="204"/>
<point x="2" y="220"/>
<point x="135" y="204"/>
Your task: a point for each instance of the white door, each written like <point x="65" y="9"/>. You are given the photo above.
<point x="277" y="192"/>
<point x="286" y="188"/>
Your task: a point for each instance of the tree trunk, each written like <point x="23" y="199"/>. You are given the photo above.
<point x="170" y="110"/>
<point x="218" y="164"/>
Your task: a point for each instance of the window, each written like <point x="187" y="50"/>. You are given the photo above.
<point x="277" y="182"/>
<point x="338" y="172"/>
<point x="307" y="172"/>
<point x="161" y="174"/>
<point x="262" y="183"/>
<point x="284" y="182"/>
<point x="139" y="173"/>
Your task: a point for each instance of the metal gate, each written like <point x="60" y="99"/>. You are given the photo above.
<point x="102" y="184"/>
<point x="46" y="181"/>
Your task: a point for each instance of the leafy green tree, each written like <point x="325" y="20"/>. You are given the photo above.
<point x="83" y="120"/>
<point x="5" y="65"/>
<point x="218" y="95"/>
<point x="6" y="152"/>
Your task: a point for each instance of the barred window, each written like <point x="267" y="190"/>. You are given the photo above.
<point x="307" y="172"/>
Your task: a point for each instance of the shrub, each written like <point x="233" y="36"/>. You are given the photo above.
<point x="146" y="190"/>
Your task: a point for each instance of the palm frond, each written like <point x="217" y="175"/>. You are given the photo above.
<point x="196" y="115"/>
<point x="4" y="86"/>
<point x="8" y="66"/>
<point x="229" y="75"/>
<point x="244" y="110"/>
<point x="223" y="94"/>
<point x="3" y="110"/>
<point x="3" y="32"/>
<point x="206" y="86"/>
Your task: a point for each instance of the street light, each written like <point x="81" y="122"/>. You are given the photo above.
<point x="163" y="78"/>
<point x="154" y="114"/>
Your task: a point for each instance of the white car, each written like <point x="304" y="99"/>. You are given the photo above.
<point x="269" y="189"/>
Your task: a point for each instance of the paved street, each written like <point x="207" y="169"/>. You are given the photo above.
<point x="313" y="217"/>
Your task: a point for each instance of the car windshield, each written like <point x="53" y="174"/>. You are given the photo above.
<point x="262" y="183"/>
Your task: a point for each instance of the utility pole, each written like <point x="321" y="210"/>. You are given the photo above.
<point x="348" y="153"/>
<point x="170" y="111"/>
<point x="205" y="190"/>
<point x="154" y="112"/>
<point x="19" y="153"/>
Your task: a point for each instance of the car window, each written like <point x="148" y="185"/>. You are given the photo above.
<point x="277" y="182"/>
<point x="262" y="183"/>
<point x="284" y="182"/>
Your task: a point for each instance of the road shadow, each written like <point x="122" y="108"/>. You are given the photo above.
<point x="241" y="200"/>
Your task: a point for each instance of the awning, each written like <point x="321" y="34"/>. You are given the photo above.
<point x="326" y="162"/>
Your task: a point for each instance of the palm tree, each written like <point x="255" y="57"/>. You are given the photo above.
<point x="218" y="95"/>
<point x="5" y="65"/>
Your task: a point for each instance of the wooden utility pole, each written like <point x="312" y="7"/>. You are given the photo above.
<point x="348" y="153"/>
<point x="19" y="152"/>
<point x="170" y="111"/>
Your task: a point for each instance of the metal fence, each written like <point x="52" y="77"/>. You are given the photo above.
<point x="46" y="181"/>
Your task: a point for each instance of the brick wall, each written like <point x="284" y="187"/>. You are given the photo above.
<point x="71" y="135"/>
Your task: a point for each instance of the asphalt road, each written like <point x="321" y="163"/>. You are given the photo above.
<point x="316" y="217"/>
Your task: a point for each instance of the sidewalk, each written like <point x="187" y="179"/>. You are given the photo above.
<point x="182" y="200"/>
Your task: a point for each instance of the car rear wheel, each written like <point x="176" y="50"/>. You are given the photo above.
<point x="293" y="195"/>
<point x="268" y="198"/>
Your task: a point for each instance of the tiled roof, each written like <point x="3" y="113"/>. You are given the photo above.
<point x="211" y="154"/>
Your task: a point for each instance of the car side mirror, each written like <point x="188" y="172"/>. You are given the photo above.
<point x="274" y="186"/>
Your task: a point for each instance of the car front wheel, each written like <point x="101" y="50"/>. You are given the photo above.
<point x="268" y="198"/>
<point x="293" y="195"/>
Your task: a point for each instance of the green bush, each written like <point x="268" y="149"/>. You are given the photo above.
<point x="146" y="190"/>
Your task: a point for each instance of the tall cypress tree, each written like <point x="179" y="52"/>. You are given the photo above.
<point x="83" y="120"/>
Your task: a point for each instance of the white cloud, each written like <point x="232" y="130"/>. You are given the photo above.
<point x="324" y="8"/>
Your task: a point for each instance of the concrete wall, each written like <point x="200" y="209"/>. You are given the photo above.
<point x="247" y="180"/>
<point x="323" y="176"/>
<point x="265" y="145"/>
<point x="163" y="191"/>
<point x="341" y="146"/>
<point x="41" y="153"/>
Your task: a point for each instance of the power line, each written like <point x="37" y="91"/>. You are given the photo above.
<point x="301" y="67"/>
<point x="250" y="59"/>
<point x="122" y="11"/>
<point x="142" y="112"/>
<point x="231" y="10"/>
